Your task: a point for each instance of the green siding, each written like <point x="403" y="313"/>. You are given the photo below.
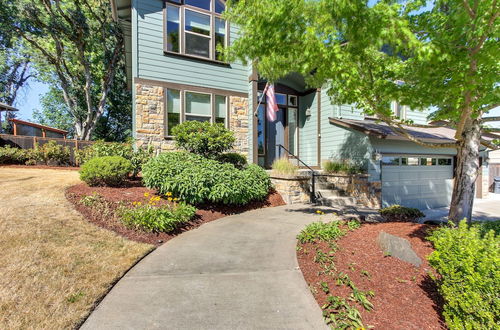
<point x="338" y="143"/>
<point x="152" y="63"/>
<point x="308" y="130"/>
<point x="419" y="117"/>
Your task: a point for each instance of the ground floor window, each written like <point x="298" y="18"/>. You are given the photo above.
<point x="185" y="105"/>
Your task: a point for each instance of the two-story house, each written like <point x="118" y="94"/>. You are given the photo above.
<point x="177" y="75"/>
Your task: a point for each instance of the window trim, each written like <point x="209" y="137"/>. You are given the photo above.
<point x="182" y="38"/>
<point x="182" y="112"/>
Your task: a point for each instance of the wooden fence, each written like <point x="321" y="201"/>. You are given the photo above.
<point x="29" y="142"/>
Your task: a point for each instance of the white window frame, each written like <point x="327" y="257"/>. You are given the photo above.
<point x="183" y="113"/>
<point x="182" y="32"/>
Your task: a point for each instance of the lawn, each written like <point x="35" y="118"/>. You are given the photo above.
<point x="54" y="264"/>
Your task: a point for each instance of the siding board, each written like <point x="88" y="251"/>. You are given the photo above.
<point x="153" y="64"/>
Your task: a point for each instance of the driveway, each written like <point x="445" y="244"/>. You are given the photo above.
<point x="486" y="209"/>
<point x="239" y="272"/>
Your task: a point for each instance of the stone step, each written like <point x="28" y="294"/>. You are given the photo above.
<point x="337" y="201"/>
<point x="328" y="193"/>
<point x="325" y="185"/>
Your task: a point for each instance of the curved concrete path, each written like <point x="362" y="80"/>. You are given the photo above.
<point x="239" y="272"/>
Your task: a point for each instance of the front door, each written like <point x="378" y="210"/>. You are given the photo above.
<point x="283" y="131"/>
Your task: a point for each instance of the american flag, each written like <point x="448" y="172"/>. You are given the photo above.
<point x="272" y="105"/>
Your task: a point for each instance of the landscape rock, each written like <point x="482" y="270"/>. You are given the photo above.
<point x="399" y="248"/>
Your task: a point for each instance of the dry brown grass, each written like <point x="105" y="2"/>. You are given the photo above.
<point x="54" y="265"/>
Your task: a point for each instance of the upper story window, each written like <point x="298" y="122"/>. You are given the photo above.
<point x="195" y="28"/>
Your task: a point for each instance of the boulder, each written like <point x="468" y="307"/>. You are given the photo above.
<point x="399" y="248"/>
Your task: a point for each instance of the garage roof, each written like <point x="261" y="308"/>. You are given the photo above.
<point x="383" y="131"/>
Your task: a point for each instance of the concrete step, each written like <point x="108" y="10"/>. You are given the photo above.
<point x="328" y="193"/>
<point x="337" y="201"/>
<point x="325" y="185"/>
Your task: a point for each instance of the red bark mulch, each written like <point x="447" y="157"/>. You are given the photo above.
<point x="133" y="191"/>
<point x="405" y="296"/>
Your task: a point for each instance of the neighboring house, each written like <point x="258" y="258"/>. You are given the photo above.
<point x="176" y="74"/>
<point x="25" y="128"/>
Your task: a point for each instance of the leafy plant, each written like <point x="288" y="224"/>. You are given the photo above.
<point x="92" y="200"/>
<point x="326" y="232"/>
<point x="401" y="213"/>
<point x="361" y="297"/>
<point x="100" y="149"/>
<point x="238" y="160"/>
<point x="284" y="166"/>
<point x="157" y="219"/>
<point x="324" y="287"/>
<point x="105" y="171"/>
<point x="203" y="138"/>
<point x="486" y="226"/>
<point x="469" y="280"/>
<point x="196" y="179"/>
<point x="9" y="155"/>
<point x="340" y="315"/>
<point x="51" y="152"/>
<point x="343" y="166"/>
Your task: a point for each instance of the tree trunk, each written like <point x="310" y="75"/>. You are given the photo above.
<point x="466" y="173"/>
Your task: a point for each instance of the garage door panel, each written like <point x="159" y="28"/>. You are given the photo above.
<point x="421" y="187"/>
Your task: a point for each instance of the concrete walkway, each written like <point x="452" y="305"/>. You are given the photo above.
<point x="239" y="272"/>
<point x="485" y="209"/>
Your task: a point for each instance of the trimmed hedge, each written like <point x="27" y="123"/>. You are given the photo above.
<point x="105" y="171"/>
<point x="401" y="213"/>
<point x="468" y="265"/>
<point x="197" y="180"/>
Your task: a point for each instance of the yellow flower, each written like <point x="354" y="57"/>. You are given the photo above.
<point x="134" y="203"/>
<point x="157" y="198"/>
<point x="170" y="199"/>
<point x="146" y="194"/>
<point x="153" y="204"/>
<point x="176" y="199"/>
<point x="318" y="211"/>
<point x="169" y="194"/>
<point x="139" y="203"/>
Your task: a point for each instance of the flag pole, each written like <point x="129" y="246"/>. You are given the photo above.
<point x="256" y="112"/>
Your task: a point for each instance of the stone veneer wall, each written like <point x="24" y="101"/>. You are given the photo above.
<point x="150" y="120"/>
<point x="367" y="193"/>
<point x="238" y="123"/>
<point x="293" y="189"/>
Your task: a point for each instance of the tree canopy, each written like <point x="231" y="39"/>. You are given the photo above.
<point x="76" y="47"/>
<point x="444" y="57"/>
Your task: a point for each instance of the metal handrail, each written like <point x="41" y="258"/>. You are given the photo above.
<point x="313" y="172"/>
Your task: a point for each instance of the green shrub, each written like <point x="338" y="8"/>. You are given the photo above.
<point x="486" y="226"/>
<point x="51" y="152"/>
<point x="126" y="150"/>
<point x="400" y="213"/>
<point x="343" y="166"/>
<point x="157" y="219"/>
<point x="469" y="281"/>
<point x="106" y="171"/>
<point x="9" y="155"/>
<point x="238" y="160"/>
<point x="320" y="231"/>
<point x="203" y="138"/>
<point x="284" y="166"/>
<point x="196" y="179"/>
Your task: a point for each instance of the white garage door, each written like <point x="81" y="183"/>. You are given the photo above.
<point x="422" y="182"/>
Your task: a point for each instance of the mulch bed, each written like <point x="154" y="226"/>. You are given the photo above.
<point x="405" y="296"/>
<point x="133" y="191"/>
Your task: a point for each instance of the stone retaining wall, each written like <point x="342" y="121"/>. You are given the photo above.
<point x="357" y="185"/>
<point x="293" y="189"/>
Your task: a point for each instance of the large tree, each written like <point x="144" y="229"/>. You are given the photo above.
<point x="76" y="46"/>
<point x="444" y="56"/>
